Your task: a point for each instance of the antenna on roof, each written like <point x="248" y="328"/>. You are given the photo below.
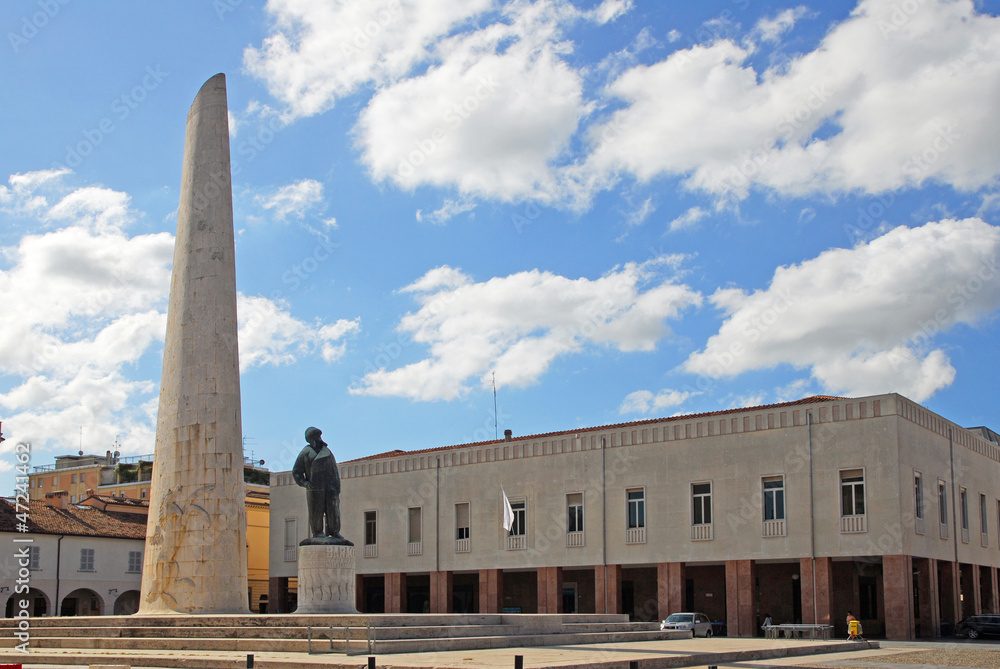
<point x="495" y="433"/>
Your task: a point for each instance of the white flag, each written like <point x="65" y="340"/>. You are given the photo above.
<point x="508" y="513"/>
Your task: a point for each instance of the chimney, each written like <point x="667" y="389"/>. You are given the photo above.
<point x="58" y="499"/>
<point x="507" y="434"/>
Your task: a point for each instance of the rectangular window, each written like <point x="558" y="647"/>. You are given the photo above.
<point x="370" y="528"/>
<point x="72" y="499"/>
<point x="852" y="492"/>
<point x="55" y="481"/>
<point x="984" y="522"/>
<point x="134" y="562"/>
<point x="462" y="526"/>
<point x="918" y="495"/>
<point x="86" y="559"/>
<point x="518" y="529"/>
<point x="574" y="511"/>
<point x="774" y="498"/>
<point x="942" y="502"/>
<point x="142" y="493"/>
<point x="73" y="479"/>
<point x="636" y="507"/>
<point x="34" y="558"/>
<point x="701" y="504"/>
<point x="413" y="525"/>
<point x="963" y="496"/>
<point x="291" y="539"/>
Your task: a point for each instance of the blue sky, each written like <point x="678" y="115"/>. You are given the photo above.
<point x="622" y="209"/>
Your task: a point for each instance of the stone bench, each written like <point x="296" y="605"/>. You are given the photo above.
<point x="799" y="631"/>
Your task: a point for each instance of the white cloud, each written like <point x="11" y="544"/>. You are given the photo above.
<point x="493" y="118"/>
<point x="863" y="320"/>
<point x="770" y="29"/>
<point x="644" y="401"/>
<point x="609" y="10"/>
<point x="874" y="107"/>
<point x="687" y="220"/>
<point x="321" y="51"/>
<point x="519" y="324"/>
<point x="295" y="199"/>
<point x="673" y="35"/>
<point x="448" y="210"/>
<point x="639" y="216"/>
<point x="90" y="303"/>
<point x="270" y="335"/>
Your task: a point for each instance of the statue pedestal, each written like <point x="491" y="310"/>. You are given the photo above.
<point x="326" y="579"/>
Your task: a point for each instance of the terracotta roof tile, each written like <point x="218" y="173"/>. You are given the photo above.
<point x="74" y="520"/>
<point x="805" y="400"/>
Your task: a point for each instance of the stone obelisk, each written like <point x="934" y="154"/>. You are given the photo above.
<point x="195" y="559"/>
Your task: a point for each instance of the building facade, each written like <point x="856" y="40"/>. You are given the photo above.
<point x="128" y="478"/>
<point x="81" y="560"/>
<point x="803" y="510"/>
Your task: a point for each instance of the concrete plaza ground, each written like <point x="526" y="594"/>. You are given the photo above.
<point x="719" y="652"/>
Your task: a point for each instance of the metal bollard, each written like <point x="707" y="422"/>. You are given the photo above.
<point x="633" y="664"/>
<point x="371" y="662"/>
<point x="249" y="660"/>
<point x="518" y="662"/>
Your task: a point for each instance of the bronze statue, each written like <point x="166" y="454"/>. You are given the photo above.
<point x="316" y="470"/>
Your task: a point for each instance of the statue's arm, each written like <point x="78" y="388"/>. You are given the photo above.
<point x="336" y="476"/>
<point x="299" y="473"/>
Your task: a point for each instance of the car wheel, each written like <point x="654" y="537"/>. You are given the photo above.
<point x="708" y="633"/>
<point x="973" y="633"/>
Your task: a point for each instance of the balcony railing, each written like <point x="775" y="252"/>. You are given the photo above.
<point x="635" y="535"/>
<point x="918" y="525"/>
<point x="516" y="542"/>
<point x="943" y="530"/>
<point x="291" y="554"/>
<point x="463" y="545"/>
<point x="574" y="539"/>
<point x="702" y="532"/>
<point x="965" y="535"/>
<point x="414" y="548"/>
<point x="773" y="528"/>
<point x="853" y="524"/>
<point x="371" y="550"/>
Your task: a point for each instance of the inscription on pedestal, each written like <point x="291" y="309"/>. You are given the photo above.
<point x="326" y="579"/>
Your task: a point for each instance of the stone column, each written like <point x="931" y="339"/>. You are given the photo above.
<point x="607" y="588"/>
<point x="995" y="590"/>
<point x="741" y="595"/>
<point x="934" y="595"/>
<point x="490" y="591"/>
<point x="196" y="558"/>
<point x="550" y="583"/>
<point x="977" y="593"/>
<point x="951" y="611"/>
<point x="897" y="586"/>
<point x="395" y="592"/>
<point x="277" y="595"/>
<point x="670" y="588"/>
<point x="441" y="591"/>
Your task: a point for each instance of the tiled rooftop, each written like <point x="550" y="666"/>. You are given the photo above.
<point x="74" y="520"/>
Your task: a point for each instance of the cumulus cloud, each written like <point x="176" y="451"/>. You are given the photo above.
<point x="448" y="210"/>
<point x="645" y="401"/>
<point x="295" y="199"/>
<point x="880" y="104"/>
<point x="90" y="303"/>
<point x="863" y="320"/>
<point x="493" y="118"/>
<point x="270" y="335"/>
<point x="770" y="29"/>
<point x="519" y="324"/>
<point x="320" y="51"/>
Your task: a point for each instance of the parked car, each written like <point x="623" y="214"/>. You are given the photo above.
<point x="698" y="623"/>
<point x="981" y="625"/>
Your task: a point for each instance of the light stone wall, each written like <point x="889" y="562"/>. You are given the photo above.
<point x="732" y="450"/>
<point x="110" y="568"/>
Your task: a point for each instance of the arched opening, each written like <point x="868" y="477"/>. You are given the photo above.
<point x="127" y="603"/>
<point x="38" y="604"/>
<point x="82" y="602"/>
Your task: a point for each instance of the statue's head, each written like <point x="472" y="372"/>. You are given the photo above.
<point x="313" y="435"/>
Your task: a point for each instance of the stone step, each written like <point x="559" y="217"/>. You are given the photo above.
<point x="357" y="647"/>
<point x="356" y="633"/>
<point x="319" y="620"/>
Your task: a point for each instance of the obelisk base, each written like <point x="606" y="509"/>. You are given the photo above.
<point x="326" y="579"/>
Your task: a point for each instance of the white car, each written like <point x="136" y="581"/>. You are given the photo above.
<point x="698" y="623"/>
